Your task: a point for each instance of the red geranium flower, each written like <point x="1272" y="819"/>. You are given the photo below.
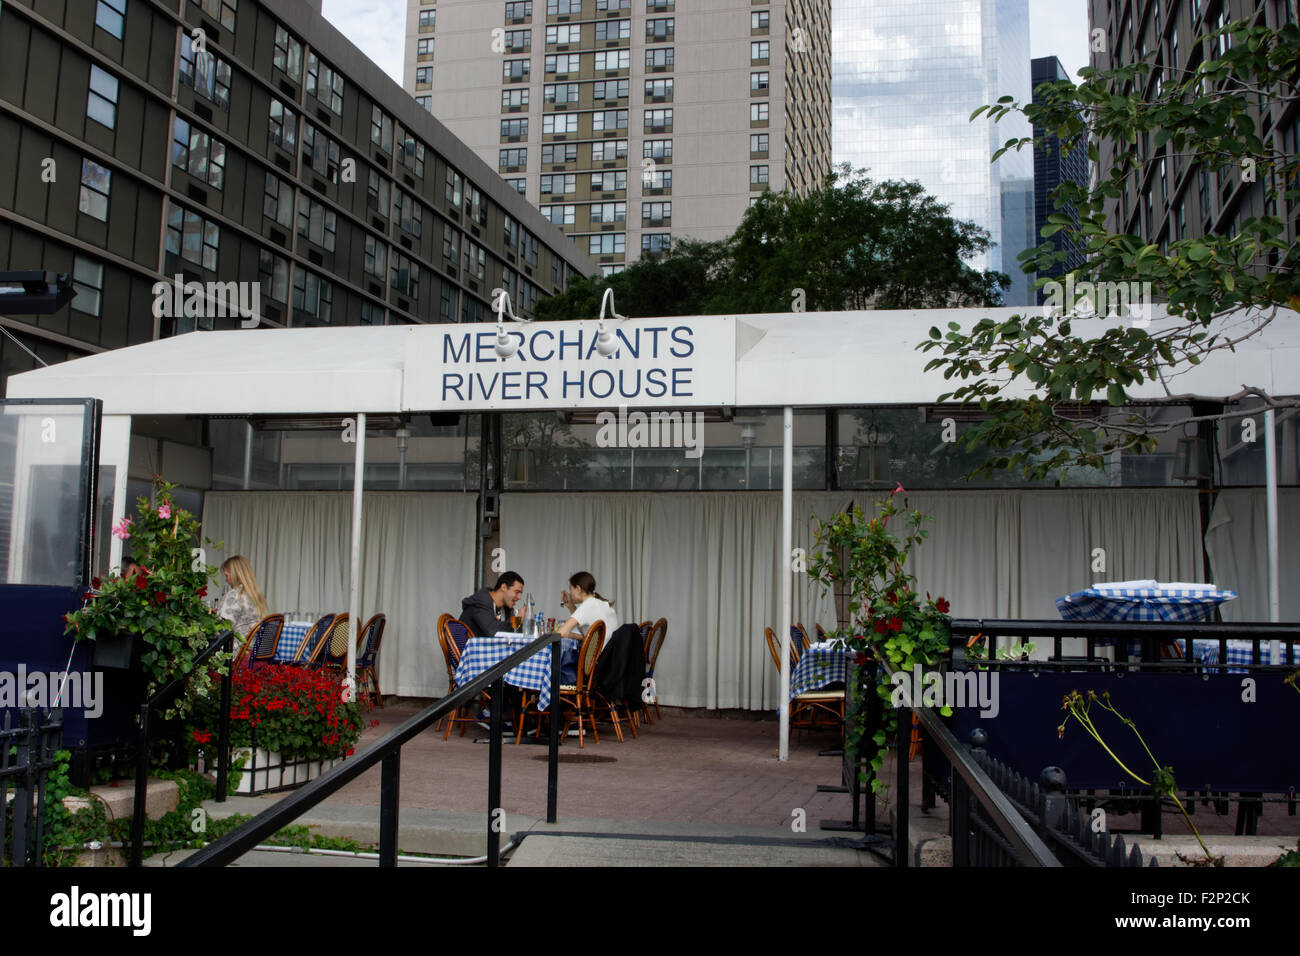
<point x="140" y="581"/>
<point x="879" y="626"/>
<point x="202" y="736"/>
<point x="941" y="605"/>
<point x="94" y="583"/>
<point x="895" y="624"/>
<point x="203" y="591"/>
<point x="159" y="597"/>
<point x="861" y="659"/>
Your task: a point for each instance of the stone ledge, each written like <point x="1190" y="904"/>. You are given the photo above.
<point x="161" y="797"/>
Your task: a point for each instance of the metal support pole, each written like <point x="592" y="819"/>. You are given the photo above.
<point x="223" y="725"/>
<point x="902" y="798"/>
<point x="248" y="455"/>
<point x="354" y="575"/>
<point x="390" y="774"/>
<point x="787" y="540"/>
<point x="553" y="757"/>
<point x="141" y="788"/>
<point x="495" y="816"/>
<point x="1270" y="492"/>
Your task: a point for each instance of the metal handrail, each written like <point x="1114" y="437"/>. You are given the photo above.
<point x="388" y="752"/>
<point x="1025" y="843"/>
<point x="224" y="641"/>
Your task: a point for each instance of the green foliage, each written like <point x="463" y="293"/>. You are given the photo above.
<point x="163" y="603"/>
<point x="1129" y="125"/>
<point x="1290" y="858"/>
<point x="886" y="620"/>
<point x="850" y="244"/>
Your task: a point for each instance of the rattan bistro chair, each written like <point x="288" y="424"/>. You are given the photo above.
<point x="262" y="641"/>
<point x="312" y="641"/>
<point x="332" y="652"/>
<point x="800" y="637"/>
<point x="654" y="643"/>
<point x="814" y="706"/>
<point x="372" y="634"/>
<point x="453" y="635"/>
<point x="575" y="699"/>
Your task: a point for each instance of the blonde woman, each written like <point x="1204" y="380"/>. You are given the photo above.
<point x="243" y="604"/>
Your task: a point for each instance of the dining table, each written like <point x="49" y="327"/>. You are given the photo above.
<point x="534" y="674"/>
<point x="821" y="665"/>
<point x="292" y="634"/>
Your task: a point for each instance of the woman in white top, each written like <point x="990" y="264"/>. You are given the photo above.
<point x="587" y="607"/>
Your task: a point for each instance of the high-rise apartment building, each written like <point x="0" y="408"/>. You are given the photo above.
<point x="1053" y="166"/>
<point x="907" y="75"/>
<point x="632" y="122"/>
<point x="1171" y="196"/>
<point x="266" y="150"/>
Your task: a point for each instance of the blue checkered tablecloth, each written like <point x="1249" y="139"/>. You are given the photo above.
<point x="818" y="667"/>
<point x="533" y="674"/>
<point x="1207" y="652"/>
<point x="1150" y="601"/>
<point x="291" y="637"/>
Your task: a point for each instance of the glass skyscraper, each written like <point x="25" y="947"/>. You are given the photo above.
<point x="906" y="76"/>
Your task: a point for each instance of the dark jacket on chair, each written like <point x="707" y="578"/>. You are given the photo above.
<point x="481" y="616"/>
<point x="621" y="666"/>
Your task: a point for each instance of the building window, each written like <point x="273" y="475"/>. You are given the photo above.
<point x="658" y="121"/>
<point x="564" y="63"/>
<point x="513" y="158"/>
<point x="603" y="5"/>
<point x="613" y="60"/>
<point x="316" y="223"/>
<point x="565" y="33"/>
<point x="510" y="236"/>
<point x="198" y="154"/>
<point x="425" y="103"/>
<point x="613" y="30"/>
<point x="516" y="128"/>
<point x="208" y="75"/>
<point x="655" y="242"/>
<point x="610" y="89"/>
<point x="657" y="149"/>
<point x="273" y="274"/>
<point x="313" y="296"/>
<point x="406" y="277"/>
<point x="451" y="245"/>
<point x="758" y="143"/>
<point x="423" y="76"/>
<point x="757" y="175"/>
<point x="88" y="280"/>
<point x="288" y="54"/>
<point x="656" y="213"/>
<point x="408" y="213"/>
<point x="514" y="99"/>
<point x="371" y="314"/>
<point x="519" y="185"/>
<point x="528" y="247"/>
<point x="758" y="82"/>
<point x="519" y="41"/>
<point x="221" y="10"/>
<point x="428" y="19"/>
<point x="453" y="190"/>
<point x="320" y="152"/>
<point x="110" y="15"/>
<point x="609" y="150"/>
<point x="519" y="11"/>
<point x="658" y="6"/>
<point x="609" y="182"/>
<point x="377" y="193"/>
<point x="411" y="155"/>
<point x="475" y="206"/>
<point x="560" y="92"/>
<point x="96" y="182"/>
<point x="658" y="30"/>
<point x="277" y="203"/>
<point x="192" y="237"/>
<point x="560" y="123"/>
<point x="381" y="130"/>
<point x="559" y="215"/>
<point x="659" y="58"/>
<point x="514" y="70"/>
<point x="424" y="48"/>
<point x="658" y="89"/>
<point x="758" y="112"/>
<point x="605" y="212"/>
<point x="447" y="301"/>
<point x="325" y="84"/>
<point x="659" y="179"/>
<point x="609" y="244"/>
<point x="760" y="51"/>
<point x="563" y="8"/>
<point x="554" y="155"/>
<point x="475" y="260"/>
<point x="606" y="119"/>
<point x="376" y="257"/>
<point x="283" y="126"/>
<point x="759" y="20"/>
<point x="101" y="105"/>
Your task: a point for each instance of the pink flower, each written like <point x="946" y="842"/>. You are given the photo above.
<point x="165" y="511"/>
<point x="122" y="529"/>
<point x="898" y="489"/>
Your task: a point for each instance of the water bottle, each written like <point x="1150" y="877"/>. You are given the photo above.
<point x="539" y="623"/>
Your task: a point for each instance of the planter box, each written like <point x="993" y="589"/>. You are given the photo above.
<point x="114" y="653"/>
<point x="270" y="771"/>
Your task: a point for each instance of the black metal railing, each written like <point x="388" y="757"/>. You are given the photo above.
<point x="224" y="642"/>
<point x="34" y="740"/>
<point x="387" y="753"/>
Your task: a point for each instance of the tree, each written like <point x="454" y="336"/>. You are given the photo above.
<point x="1206" y="117"/>
<point x="850" y="244"/>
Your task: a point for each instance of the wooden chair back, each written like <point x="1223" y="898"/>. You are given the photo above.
<point x="774" y="646"/>
<point x="655" y="643"/>
<point x="372" y="634"/>
<point x="262" y="640"/>
<point x="307" y="650"/>
<point x="334" y="648"/>
<point x="587" y="654"/>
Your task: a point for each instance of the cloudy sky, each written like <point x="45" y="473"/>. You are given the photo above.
<point x="1056" y="28"/>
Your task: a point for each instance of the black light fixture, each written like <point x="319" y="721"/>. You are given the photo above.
<point x="34" y="293"/>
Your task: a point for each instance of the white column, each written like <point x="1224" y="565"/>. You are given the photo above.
<point x="1270" y="492"/>
<point x="787" y="543"/>
<point x="354" y="576"/>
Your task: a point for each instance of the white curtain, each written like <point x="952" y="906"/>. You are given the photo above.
<point x="417" y="561"/>
<point x="709" y="563"/>
<point x="1237" y="543"/>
